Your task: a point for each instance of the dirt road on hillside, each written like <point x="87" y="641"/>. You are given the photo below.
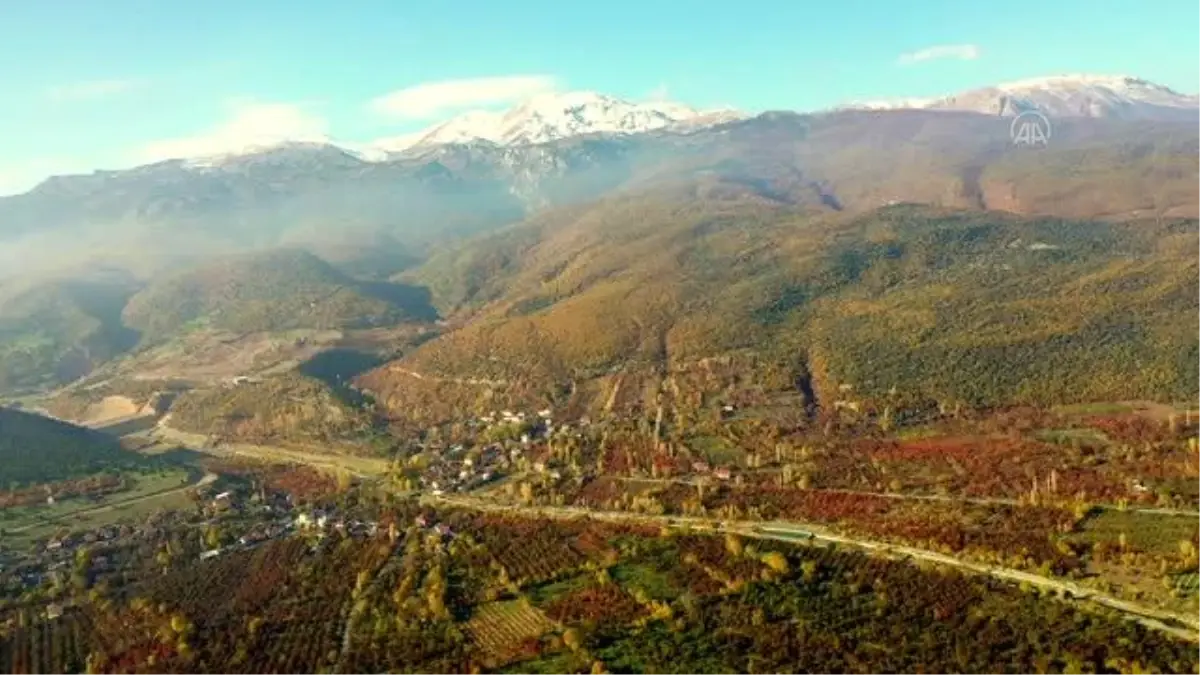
<point x="362" y="467"/>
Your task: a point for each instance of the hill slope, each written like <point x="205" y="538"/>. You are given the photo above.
<point x="291" y="408"/>
<point x="629" y="301"/>
<point x="36" y="449"/>
<point x="272" y="291"/>
<point x="52" y="332"/>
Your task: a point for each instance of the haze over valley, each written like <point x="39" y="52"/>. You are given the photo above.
<point x="316" y="236"/>
<point x="542" y="379"/>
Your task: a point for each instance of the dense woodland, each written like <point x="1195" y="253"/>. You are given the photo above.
<point x="902" y="306"/>
<point x="271" y="291"/>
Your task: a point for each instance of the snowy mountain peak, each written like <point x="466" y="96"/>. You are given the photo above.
<point x="278" y="151"/>
<point x="539" y="119"/>
<point x="1113" y="82"/>
<point x="549" y="117"/>
<point x="889" y="104"/>
<point x="1108" y="96"/>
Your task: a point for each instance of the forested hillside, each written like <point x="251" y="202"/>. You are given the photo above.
<point x="654" y="249"/>
<point x="916" y="302"/>
<point x="271" y="291"/>
<point x="288" y="409"/>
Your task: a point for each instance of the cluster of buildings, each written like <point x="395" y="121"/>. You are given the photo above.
<point x="460" y="470"/>
<point x="328" y="519"/>
<point x="511" y="435"/>
<point x="54" y="559"/>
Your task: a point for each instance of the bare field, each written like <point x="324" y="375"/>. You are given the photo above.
<point x="210" y="357"/>
<point x="149" y="492"/>
<point x="361" y="466"/>
<point x="1153" y="410"/>
<point x="110" y="408"/>
<point x="500" y="627"/>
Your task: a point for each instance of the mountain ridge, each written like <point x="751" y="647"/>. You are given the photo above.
<point x="551" y="117"/>
<point x="318" y="196"/>
<point x="1080" y="95"/>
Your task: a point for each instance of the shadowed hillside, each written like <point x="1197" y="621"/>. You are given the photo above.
<point x="36" y="449"/>
<point x="52" y="332"/>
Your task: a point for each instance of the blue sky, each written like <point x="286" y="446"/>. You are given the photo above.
<point x="112" y="84"/>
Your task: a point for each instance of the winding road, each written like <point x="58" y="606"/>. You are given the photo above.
<point x="800" y="533"/>
<point x="982" y="501"/>
<point x="1180" y="625"/>
<point x="359" y="466"/>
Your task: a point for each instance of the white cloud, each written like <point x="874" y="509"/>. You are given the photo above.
<point x="85" y="91"/>
<point x="430" y="99"/>
<point x="959" y="52"/>
<point x="249" y="125"/>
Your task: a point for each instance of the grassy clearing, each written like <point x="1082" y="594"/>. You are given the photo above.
<point x="362" y="466"/>
<point x="1086" y="437"/>
<point x="1093" y="409"/>
<point x="1185" y="486"/>
<point x="917" y="433"/>
<point x="654" y="582"/>
<point x="1152" y="533"/>
<point x="149" y="492"/>
<point x="1187" y="583"/>
<point x="779" y="409"/>
<point x="544" y="593"/>
<point x="636" y="487"/>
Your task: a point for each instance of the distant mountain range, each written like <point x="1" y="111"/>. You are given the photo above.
<point x="553" y="117"/>
<point x="484" y="170"/>
<point x="579" y="234"/>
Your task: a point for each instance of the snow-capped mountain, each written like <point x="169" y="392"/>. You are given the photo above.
<point x="1104" y="96"/>
<point x="541" y="119"/>
<point x="551" y="117"/>
<point x="889" y="104"/>
<point x="556" y="116"/>
<point x="1076" y="96"/>
<point x="281" y="154"/>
